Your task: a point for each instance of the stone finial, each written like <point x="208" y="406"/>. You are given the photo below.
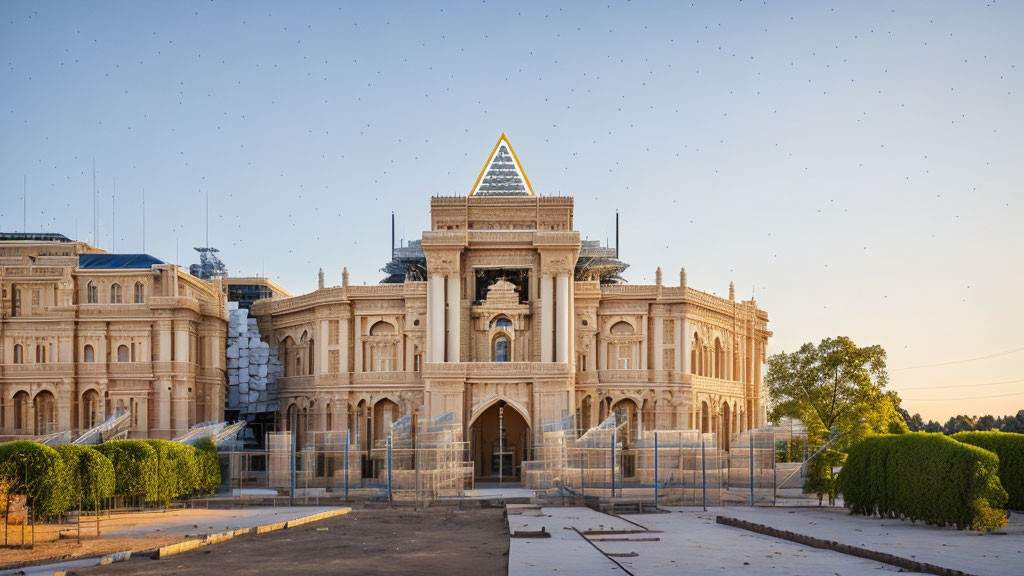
<point x="732" y="291"/>
<point x="344" y="277"/>
<point x="320" y="279"/>
<point x="682" y="277"/>
<point x="657" y="276"/>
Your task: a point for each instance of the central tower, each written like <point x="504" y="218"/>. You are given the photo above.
<point x="500" y="264"/>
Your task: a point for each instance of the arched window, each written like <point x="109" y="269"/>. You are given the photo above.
<point x="621" y="328"/>
<point x="719" y="361"/>
<point x="40" y="353"/>
<point x="381" y="328"/>
<point x="89" y="355"/>
<point x="501" y="322"/>
<point x="92" y="293"/>
<point x="122" y="353"/>
<point x="298" y="365"/>
<point x="140" y="293"/>
<point x="502" y="348"/>
<point x="705" y="419"/>
<point x="18" y="355"/>
<point x="115" y="294"/>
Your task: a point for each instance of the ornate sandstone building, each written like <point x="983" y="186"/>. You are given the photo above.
<point x="84" y="334"/>
<point x="499" y="314"/>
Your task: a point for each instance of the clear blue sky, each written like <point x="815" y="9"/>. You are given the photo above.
<point x="857" y="166"/>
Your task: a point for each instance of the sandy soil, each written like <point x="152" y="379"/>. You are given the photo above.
<point x="65" y="548"/>
<point x="439" y="541"/>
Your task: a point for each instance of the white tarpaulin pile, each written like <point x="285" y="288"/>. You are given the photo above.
<point x="253" y="366"/>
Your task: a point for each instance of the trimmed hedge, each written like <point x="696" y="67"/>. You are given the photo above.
<point x="135" y="466"/>
<point x="209" y="466"/>
<point x="178" y="471"/>
<point x="1010" y="449"/>
<point x="926" y="477"/>
<point x="91" y="473"/>
<point x="38" y="472"/>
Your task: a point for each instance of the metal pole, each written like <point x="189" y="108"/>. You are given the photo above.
<point x="703" y="474"/>
<point x="347" y="433"/>
<point x="291" y="460"/>
<point x="775" y="474"/>
<point x="612" y="462"/>
<point x="501" y="448"/>
<point x="655" y="469"/>
<point x="751" y="438"/>
<point x="389" y="440"/>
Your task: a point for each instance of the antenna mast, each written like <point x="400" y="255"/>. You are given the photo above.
<point x="392" y="235"/>
<point x="24" y="203"/>
<point x="207" y="219"/>
<point x="113" y="218"/>
<point x="95" y="225"/>
<point x="616" y="234"/>
<point x="143" y="219"/>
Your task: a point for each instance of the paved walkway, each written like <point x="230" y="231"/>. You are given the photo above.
<point x="998" y="554"/>
<point x="687" y="541"/>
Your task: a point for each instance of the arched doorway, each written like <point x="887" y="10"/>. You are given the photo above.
<point x="726" y="426"/>
<point x="20" y="404"/>
<point x="46" y="413"/>
<point x="627" y="419"/>
<point x="499" y="441"/>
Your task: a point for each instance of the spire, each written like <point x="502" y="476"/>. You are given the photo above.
<point x="502" y="175"/>
<point x="732" y="291"/>
<point x="682" y="277"/>
<point x="320" y="279"/>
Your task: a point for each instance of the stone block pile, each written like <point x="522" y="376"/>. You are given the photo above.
<point x="252" y="365"/>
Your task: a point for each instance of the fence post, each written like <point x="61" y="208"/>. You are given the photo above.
<point x="751" y="439"/>
<point x="347" y="433"/>
<point x="775" y="474"/>
<point x="389" y="439"/>
<point x="613" y="463"/>
<point x="655" y="469"/>
<point x="703" y="474"/>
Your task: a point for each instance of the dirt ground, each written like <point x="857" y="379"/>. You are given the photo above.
<point x="438" y="541"/>
<point x="66" y="548"/>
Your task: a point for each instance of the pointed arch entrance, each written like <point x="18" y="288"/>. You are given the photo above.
<point x="499" y="441"/>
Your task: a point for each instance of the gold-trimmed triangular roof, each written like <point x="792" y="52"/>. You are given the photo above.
<point x="502" y="174"/>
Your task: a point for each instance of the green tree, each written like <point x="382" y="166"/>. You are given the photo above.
<point x="834" y="387"/>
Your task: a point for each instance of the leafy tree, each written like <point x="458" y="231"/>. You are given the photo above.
<point x="834" y="387"/>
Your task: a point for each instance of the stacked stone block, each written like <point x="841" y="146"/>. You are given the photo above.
<point x="252" y="365"/>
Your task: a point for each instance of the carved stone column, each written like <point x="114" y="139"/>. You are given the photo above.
<point x="659" y="343"/>
<point x="562" y="320"/>
<point x="686" y="346"/>
<point x="435" y="318"/>
<point x="546" y="318"/>
<point x="454" y="316"/>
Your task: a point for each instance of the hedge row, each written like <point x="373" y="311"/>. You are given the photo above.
<point x="55" y="478"/>
<point x="1010" y="450"/>
<point x="39" y="472"/>
<point x="926" y="477"/>
<point x="91" y="474"/>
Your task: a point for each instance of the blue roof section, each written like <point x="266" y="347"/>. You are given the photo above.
<point x="116" y="261"/>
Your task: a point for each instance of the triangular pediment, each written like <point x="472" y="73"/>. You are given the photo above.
<point x="502" y="174"/>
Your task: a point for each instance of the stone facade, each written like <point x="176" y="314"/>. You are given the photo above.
<point x="469" y="341"/>
<point x="84" y="333"/>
